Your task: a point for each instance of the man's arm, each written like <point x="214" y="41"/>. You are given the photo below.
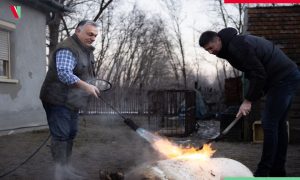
<point x="256" y="74"/>
<point x="254" y="71"/>
<point x="65" y="64"/>
<point x="89" y="88"/>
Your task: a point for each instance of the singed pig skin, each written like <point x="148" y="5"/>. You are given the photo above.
<point x="178" y="169"/>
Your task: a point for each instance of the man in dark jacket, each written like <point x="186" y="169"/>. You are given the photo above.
<point x="65" y="90"/>
<point x="270" y="72"/>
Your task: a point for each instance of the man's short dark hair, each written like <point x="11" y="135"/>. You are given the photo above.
<point x="207" y="37"/>
<point x="84" y="22"/>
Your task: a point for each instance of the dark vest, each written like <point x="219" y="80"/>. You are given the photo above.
<point x="55" y="92"/>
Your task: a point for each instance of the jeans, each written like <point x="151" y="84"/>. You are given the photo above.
<point x="63" y="122"/>
<point x="278" y="102"/>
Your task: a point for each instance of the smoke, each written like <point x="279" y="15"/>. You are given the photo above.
<point x="150" y="137"/>
<point x="107" y="144"/>
<point x="62" y="172"/>
<point x="77" y="98"/>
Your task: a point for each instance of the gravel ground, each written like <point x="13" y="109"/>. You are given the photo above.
<point x="106" y="143"/>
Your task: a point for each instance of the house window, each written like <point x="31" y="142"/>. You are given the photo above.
<point x="4" y="54"/>
<point x="6" y="29"/>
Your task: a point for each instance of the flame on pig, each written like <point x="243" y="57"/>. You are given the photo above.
<point x="171" y="150"/>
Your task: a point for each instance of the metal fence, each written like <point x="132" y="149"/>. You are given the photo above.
<point x="169" y="112"/>
<point x="126" y="101"/>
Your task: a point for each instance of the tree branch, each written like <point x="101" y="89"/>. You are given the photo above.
<point x="102" y="8"/>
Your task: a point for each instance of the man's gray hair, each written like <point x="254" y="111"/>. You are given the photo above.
<point x="84" y="22"/>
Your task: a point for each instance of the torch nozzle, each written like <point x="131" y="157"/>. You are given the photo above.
<point x="131" y="124"/>
<point x="214" y="139"/>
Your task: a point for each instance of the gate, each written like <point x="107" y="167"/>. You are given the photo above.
<point x="172" y="112"/>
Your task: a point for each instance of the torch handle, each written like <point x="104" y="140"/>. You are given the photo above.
<point x="225" y="131"/>
<point x="127" y="121"/>
<point x="131" y="124"/>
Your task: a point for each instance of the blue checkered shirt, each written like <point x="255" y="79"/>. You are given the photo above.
<point x="65" y="64"/>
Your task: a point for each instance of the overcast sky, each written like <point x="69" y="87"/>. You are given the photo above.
<point x="197" y="17"/>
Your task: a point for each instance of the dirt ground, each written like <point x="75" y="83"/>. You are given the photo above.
<point x="106" y="143"/>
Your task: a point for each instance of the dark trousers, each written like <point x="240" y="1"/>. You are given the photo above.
<point x="63" y="126"/>
<point x="278" y="102"/>
<point x="63" y="122"/>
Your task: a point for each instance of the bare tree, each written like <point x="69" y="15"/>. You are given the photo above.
<point x="222" y="11"/>
<point x="104" y="39"/>
<point x="173" y="59"/>
<point x="229" y="19"/>
<point x="174" y="9"/>
<point x="59" y="27"/>
<point x="139" y="57"/>
<point x="103" y="5"/>
<point x="133" y="51"/>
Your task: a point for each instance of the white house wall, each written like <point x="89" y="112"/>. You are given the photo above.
<point x="20" y="105"/>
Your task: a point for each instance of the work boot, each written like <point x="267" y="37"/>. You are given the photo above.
<point x="62" y="172"/>
<point x="60" y="154"/>
<point x="69" y="162"/>
<point x="69" y="150"/>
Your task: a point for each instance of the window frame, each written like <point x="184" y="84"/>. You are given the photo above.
<point x="8" y="27"/>
<point x="6" y="68"/>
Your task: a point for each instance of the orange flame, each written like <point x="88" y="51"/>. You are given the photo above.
<point x="171" y="150"/>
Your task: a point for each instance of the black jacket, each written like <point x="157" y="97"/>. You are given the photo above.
<point x="263" y="63"/>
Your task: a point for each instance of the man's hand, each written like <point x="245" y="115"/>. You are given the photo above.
<point x="245" y="108"/>
<point x="93" y="90"/>
<point x="89" y="88"/>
